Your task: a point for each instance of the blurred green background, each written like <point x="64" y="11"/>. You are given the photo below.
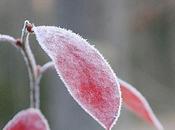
<point x="137" y="37"/>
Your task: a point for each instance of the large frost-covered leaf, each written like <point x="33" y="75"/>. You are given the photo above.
<point x="86" y="74"/>
<point x="134" y="101"/>
<point x="30" y="119"/>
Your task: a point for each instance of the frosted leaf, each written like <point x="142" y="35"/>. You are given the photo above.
<point x="135" y="102"/>
<point x="86" y="74"/>
<point x="30" y="119"/>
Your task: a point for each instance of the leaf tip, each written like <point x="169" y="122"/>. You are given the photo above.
<point x="137" y="103"/>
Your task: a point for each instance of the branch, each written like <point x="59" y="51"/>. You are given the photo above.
<point x="7" y="38"/>
<point x="35" y="71"/>
<point x="46" y="66"/>
<point x="31" y="66"/>
<point x="43" y="69"/>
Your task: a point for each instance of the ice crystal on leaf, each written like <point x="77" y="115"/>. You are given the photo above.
<point x="86" y="74"/>
<point x="30" y="119"/>
<point x="90" y="79"/>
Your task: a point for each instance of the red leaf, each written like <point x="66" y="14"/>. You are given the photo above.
<point x="86" y="74"/>
<point x="134" y="101"/>
<point x="30" y="119"/>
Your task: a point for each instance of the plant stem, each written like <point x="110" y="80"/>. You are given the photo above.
<point x="7" y="38"/>
<point x="43" y="69"/>
<point x="35" y="71"/>
<point x="31" y="66"/>
<point x="46" y="66"/>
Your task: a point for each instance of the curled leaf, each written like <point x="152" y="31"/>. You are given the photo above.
<point x="84" y="71"/>
<point x="135" y="102"/>
<point x="30" y="119"/>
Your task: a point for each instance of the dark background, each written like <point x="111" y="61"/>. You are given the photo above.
<point x="137" y="37"/>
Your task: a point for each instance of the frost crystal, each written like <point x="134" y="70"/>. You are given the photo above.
<point x="86" y="74"/>
<point x="30" y="119"/>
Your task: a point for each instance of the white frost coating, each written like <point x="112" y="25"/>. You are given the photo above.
<point x="42" y="117"/>
<point x="144" y="101"/>
<point x="7" y="38"/>
<point x="23" y="112"/>
<point x="118" y="114"/>
<point x="46" y="36"/>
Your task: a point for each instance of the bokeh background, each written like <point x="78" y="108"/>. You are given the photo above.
<point x="137" y="37"/>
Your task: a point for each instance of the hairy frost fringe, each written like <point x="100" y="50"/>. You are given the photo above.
<point x="31" y="110"/>
<point x="77" y="37"/>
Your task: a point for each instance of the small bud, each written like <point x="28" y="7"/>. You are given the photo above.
<point x="18" y="42"/>
<point x="29" y="27"/>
